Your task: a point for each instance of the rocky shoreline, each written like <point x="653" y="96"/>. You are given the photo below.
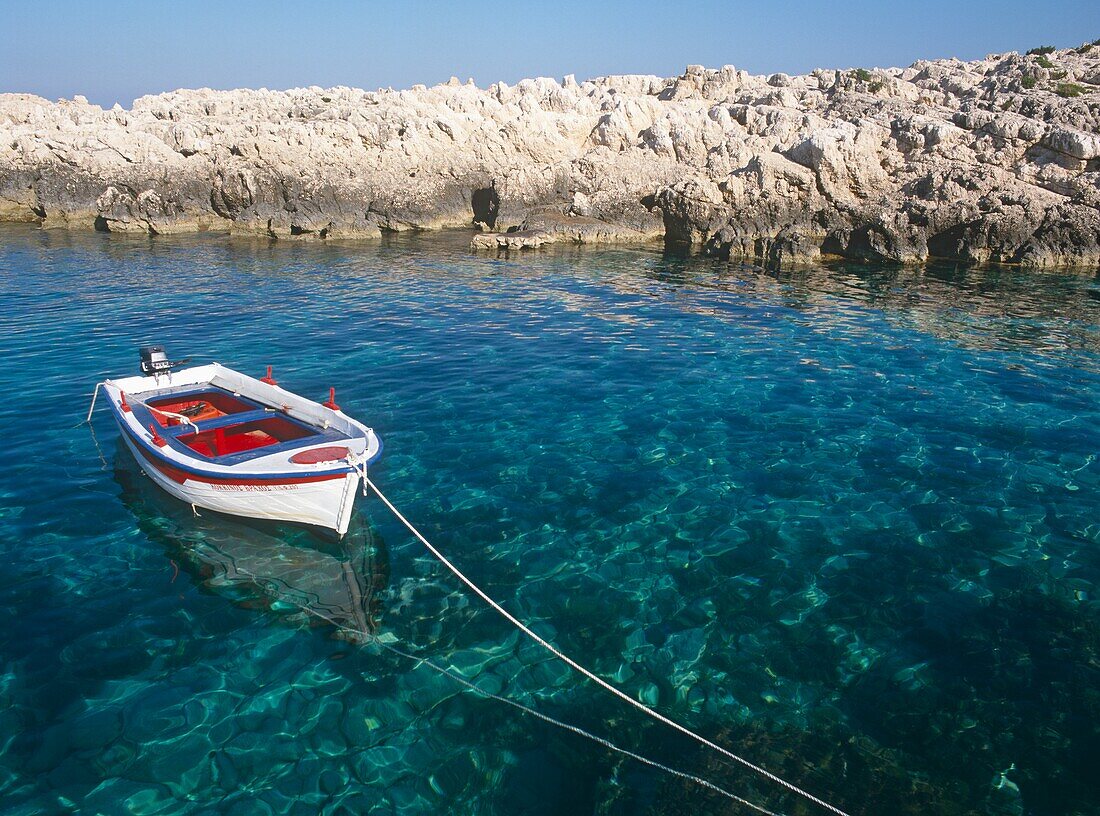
<point x="995" y="160"/>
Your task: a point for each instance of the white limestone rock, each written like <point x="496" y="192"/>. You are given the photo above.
<point x="989" y="160"/>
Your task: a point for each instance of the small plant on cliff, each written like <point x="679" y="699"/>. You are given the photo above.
<point x="876" y="86"/>
<point x="862" y="75"/>
<point x="1043" y="62"/>
<point x="1069" y="90"/>
<point x="1041" y="50"/>
<point x="1084" y="49"/>
<point x="1028" y="82"/>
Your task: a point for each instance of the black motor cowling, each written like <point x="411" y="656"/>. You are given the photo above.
<point x="154" y="361"/>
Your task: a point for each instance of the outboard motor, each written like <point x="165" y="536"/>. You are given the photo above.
<point x="155" y="362"/>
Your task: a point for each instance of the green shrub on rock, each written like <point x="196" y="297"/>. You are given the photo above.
<point x="1041" y="50"/>
<point x="1069" y="89"/>
<point x="1028" y="82"/>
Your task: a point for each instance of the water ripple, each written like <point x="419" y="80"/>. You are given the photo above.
<point x="842" y="518"/>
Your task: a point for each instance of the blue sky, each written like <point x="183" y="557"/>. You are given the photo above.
<point x="115" y="51"/>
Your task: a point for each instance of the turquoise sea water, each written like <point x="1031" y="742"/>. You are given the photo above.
<point x="845" y="521"/>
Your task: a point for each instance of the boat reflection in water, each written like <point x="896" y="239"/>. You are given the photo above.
<point x="286" y="568"/>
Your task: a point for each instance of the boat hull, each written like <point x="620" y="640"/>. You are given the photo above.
<point x="322" y="502"/>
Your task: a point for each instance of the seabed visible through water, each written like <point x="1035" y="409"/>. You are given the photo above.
<point x="844" y="521"/>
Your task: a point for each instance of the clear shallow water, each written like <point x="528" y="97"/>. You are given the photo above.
<point x="844" y="521"/>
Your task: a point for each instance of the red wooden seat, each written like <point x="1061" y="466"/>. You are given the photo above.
<point x="315" y="456"/>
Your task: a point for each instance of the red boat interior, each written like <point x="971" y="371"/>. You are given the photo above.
<point x="245" y="436"/>
<point x="198" y="407"/>
<point x="229" y="438"/>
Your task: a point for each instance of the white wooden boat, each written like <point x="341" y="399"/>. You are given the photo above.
<point x="224" y="441"/>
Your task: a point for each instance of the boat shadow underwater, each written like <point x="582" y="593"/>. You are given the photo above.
<point x="284" y="568"/>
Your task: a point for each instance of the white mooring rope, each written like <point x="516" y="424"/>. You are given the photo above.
<point x="186" y="420"/>
<point x="181" y="417"/>
<point x="528" y="710"/>
<point x="577" y="730"/>
<point x="95" y="394"/>
<point x="590" y="675"/>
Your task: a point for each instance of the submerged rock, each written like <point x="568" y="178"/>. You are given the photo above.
<point x="995" y="160"/>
